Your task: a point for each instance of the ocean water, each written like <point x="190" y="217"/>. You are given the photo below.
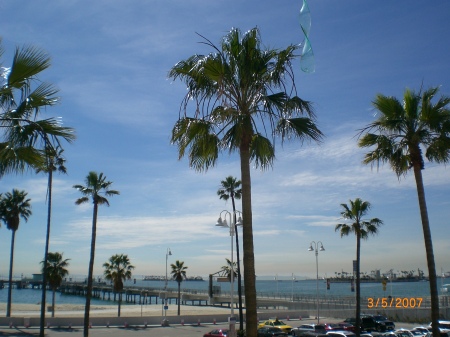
<point x="268" y="288"/>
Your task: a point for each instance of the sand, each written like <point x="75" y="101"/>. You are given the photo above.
<point x="77" y="310"/>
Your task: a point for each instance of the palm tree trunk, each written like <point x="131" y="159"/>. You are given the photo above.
<point x="179" y="297"/>
<point x="247" y="238"/>
<point x="11" y="263"/>
<point x="358" y="286"/>
<point x="87" y="307"/>
<point x="120" y="302"/>
<point x="47" y="240"/>
<point x="429" y="249"/>
<point x="53" y="301"/>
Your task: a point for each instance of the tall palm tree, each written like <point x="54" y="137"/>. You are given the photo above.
<point x="96" y="189"/>
<point x="54" y="162"/>
<point x="402" y="131"/>
<point x="230" y="189"/>
<point x="54" y="270"/>
<point x="117" y="270"/>
<point x="244" y="97"/>
<point x="355" y="213"/>
<point x="13" y="206"/>
<point x="22" y="97"/>
<point x="178" y="274"/>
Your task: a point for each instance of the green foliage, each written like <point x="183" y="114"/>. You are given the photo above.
<point x="117" y="270"/>
<point x="239" y="92"/>
<point x="56" y="269"/>
<point x="25" y="136"/>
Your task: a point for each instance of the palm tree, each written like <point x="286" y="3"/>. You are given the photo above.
<point x="54" y="162"/>
<point x="241" y="92"/>
<point x="400" y="134"/>
<point x="117" y="270"/>
<point x="229" y="268"/>
<point x="362" y="229"/>
<point x="24" y="134"/>
<point x="54" y="270"/>
<point x="231" y="189"/>
<point x="13" y="206"/>
<point x="96" y="189"/>
<point x="178" y="274"/>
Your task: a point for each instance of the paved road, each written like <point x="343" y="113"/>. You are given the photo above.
<point x="170" y="331"/>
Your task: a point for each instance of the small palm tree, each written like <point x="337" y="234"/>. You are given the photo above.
<point x="13" y="206"/>
<point x="243" y="97"/>
<point x="54" y="270"/>
<point x="228" y="268"/>
<point x="96" y="189"/>
<point x="400" y="134"/>
<point x="117" y="270"/>
<point x="231" y="189"/>
<point x="178" y="274"/>
<point x="362" y="229"/>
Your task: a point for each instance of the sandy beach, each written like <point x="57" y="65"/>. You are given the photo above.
<point x="135" y="310"/>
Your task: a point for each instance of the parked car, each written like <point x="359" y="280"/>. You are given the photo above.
<point x="377" y="323"/>
<point x="332" y="326"/>
<point x="341" y="333"/>
<point x="276" y="324"/>
<point x="442" y="325"/>
<point x="217" y="333"/>
<point x="346" y="326"/>
<point x="422" y="329"/>
<point x="308" y="329"/>
<point x="270" y="331"/>
<point x="373" y="323"/>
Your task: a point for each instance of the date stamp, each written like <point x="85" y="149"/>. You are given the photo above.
<point x="391" y="302"/>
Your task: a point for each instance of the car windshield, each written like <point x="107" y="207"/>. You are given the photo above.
<point x="380" y="318"/>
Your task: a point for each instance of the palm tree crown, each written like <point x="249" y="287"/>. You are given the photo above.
<point x="96" y="185"/>
<point x="404" y="128"/>
<point x="244" y="97"/>
<point x="117" y="270"/>
<point x="13" y="206"/>
<point x="355" y="213"/>
<point x="230" y="189"/>
<point x="24" y="135"/>
<point x="56" y="269"/>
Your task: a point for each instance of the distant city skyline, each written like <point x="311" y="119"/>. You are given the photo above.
<point x="110" y="61"/>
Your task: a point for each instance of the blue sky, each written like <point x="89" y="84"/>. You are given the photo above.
<point x="110" y="60"/>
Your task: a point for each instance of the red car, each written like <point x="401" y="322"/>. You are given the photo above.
<point x="346" y="326"/>
<point x="217" y="333"/>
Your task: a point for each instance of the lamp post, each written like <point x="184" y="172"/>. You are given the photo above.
<point x="232" y="226"/>
<point x="164" y="303"/>
<point x="167" y="257"/>
<point x="316" y="250"/>
<point x="292" y="290"/>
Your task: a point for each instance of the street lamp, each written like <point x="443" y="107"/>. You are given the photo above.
<point x="164" y="304"/>
<point x="167" y="257"/>
<point x="231" y="226"/>
<point x="316" y="250"/>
